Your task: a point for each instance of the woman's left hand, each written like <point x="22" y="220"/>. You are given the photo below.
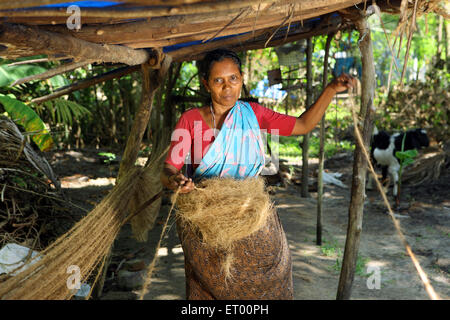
<point x="343" y="82"/>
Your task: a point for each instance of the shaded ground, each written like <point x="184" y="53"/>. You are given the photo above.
<point x="425" y="223"/>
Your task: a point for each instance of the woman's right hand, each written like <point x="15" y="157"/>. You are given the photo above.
<point x="178" y="180"/>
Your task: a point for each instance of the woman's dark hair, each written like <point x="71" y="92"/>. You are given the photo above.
<point x="217" y="56"/>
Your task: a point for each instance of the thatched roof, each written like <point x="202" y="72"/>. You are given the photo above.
<point x="118" y="31"/>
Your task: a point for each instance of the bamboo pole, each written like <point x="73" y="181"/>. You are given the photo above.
<point x="321" y="148"/>
<point x="117" y="73"/>
<point x="53" y="72"/>
<point x="354" y="228"/>
<point x="309" y="100"/>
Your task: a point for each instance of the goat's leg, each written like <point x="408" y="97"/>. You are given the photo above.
<point x="369" y="184"/>
<point x="393" y="170"/>
<point x="385" y="182"/>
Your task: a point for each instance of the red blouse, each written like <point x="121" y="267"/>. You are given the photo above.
<point x="191" y="124"/>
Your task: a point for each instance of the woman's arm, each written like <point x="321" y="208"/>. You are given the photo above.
<point x="309" y="119"/>
<point x="172" y="178"/>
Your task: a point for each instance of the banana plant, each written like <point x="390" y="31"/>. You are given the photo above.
<point x="22" y="114"/>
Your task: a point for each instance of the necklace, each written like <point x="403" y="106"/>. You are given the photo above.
<point x="214" y="118"/>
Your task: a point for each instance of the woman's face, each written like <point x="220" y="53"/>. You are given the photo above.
<point x="224" y="83"/>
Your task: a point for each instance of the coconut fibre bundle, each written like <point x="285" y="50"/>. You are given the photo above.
<point x="222" y="211"/>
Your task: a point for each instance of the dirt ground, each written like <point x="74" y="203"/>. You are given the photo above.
<point x="425" y="222"/>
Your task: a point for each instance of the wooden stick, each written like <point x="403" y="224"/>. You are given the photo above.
<point x="244" y="42"/>
<point x="321" y="147"/>
<point x="408" y="46"/>
<point x="53" y="72"/>
<point x="185" y="54"/>
<point x="27" y="41"/>
<point x="359" y="163"/>
<point x="309" y="101"/>
<point x="150" y="83"/>
<point x="117" y="73"/>
<point x="19" y="63"/>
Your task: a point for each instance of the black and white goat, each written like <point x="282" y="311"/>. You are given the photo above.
<point x="384" y="147"/>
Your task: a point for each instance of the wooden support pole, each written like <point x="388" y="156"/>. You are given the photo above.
<point x="354" y="228"/>
<point x="150" y="83"/>
<point x="53" y="72"/>
<point x="117" y="73"/>
<point x="309" y="100"/>
<point x="22" y="41"/>
<point x="322" y="148"/>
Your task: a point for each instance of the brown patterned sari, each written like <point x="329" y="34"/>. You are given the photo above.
<point x="262" y="267"/>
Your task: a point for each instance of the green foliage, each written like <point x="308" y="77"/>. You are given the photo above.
<point x="289" y="146"/>
<point x="109" y="157"/>
<point x="26" y="117"/>
<point x="10" y="74"/>
<point x="406" y="157"/>
<point x="330" y="248"/>
<point x="64" y="111"/>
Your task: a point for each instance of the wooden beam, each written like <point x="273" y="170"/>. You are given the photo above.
<point x="184" y="9"/>
<point x="14" y="4"/>
<point x="282" y="40"/>
<point x="22" y="41"/>
<point x="247" y="42"/>
<point x="354" y="228"/>
<point x="117" y="73"/>
<point x="185" y="54"/>
<point x="164" y="31"/>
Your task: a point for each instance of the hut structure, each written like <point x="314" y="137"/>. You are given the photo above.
<point x="148" y="35"/>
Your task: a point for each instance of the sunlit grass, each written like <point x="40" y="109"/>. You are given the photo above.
<point x="289" y="147"/>
<point x="336" y="118"/>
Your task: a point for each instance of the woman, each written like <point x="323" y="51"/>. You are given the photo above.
<point x="263" y="268"/>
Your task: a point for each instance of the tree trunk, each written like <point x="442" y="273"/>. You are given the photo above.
<point x="151" y="80"/>
<point x="321" y="148"/>
<point x="309" y="99"/>
<point x="359" y="163"/>
<point x="447" y="44"/>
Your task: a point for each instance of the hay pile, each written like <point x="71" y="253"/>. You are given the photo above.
<point x="427" y="168"/>
<point x="28" y="202"/>
<point x="424" y="105"/>
<point x="223" y="211"/>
